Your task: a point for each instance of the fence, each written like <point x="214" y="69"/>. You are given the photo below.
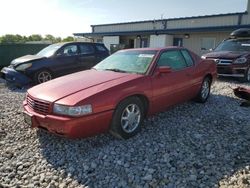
<point x="8" y="52"/>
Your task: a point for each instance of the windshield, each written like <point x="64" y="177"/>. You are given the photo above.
<point x="234" y="45"/>
<point x="49" y="50"/>
<point x="128" y="61"/>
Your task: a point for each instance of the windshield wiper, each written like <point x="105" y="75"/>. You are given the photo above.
<point x="115" y="70"/>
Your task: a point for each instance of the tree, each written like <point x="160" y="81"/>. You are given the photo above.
<point x="68" y="39"/>
<point x="9" y="38"/>
<point x="58" y="39"/>
<point x="35" y="37"/>
<point x="50" y="38"/>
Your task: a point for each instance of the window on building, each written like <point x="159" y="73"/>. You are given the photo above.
<point x="207" y="43"/>
<point x="144" y="42"/>
<point x="173" y="59"/>
<point x="178" y="42"/>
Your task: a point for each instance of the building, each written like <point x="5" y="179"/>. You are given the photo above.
<point x="199" y="33"/>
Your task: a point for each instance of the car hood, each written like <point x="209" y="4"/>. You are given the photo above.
<point x="62" y="87"/>
<point x="225" y="55"/>
<point x="25" y="59"/>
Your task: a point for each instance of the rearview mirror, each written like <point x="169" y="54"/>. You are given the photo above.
<point x="164" y="69"/>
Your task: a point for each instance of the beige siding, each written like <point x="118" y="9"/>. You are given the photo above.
<point x="204" y="22"/>
<point x="173" y="24"/>
<point x="194" y="42"/>
<point x="245" y="19"/>
<point x="157" y="41"/>
<point x="111" y="40"/>
<point x="124" y="27"/>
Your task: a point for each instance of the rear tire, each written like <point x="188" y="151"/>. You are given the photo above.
<point x="42" y="76"/>
<point x="128" y="118"/>
<point x="204" y="90"/>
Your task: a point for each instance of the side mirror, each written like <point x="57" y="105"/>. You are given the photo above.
<point x="58" y="55"/>
<point x="211" y="49"/>
<point x="164" y="69"/>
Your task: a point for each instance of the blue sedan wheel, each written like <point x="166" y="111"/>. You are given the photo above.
<point x="43" y="76"/>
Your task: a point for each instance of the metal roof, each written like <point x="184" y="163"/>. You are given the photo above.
<point x="172" y="19"/>
<point x="165" y="31"/>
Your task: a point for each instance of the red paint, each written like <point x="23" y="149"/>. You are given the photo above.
<point x="105" y="89"/>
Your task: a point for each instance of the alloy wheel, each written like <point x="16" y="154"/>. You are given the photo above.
<point x="205" y="89"/>
<point x="130" y="118"/>
<point x="44" y="76"/>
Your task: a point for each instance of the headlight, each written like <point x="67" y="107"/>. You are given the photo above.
<point x="240" y="60"/>
<point x="203" y="57"/>
<point x="72" y="110"/>
<point x="22" y="67"/>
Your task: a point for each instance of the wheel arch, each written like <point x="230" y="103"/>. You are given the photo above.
<point x="209" y="75"/>
<point x="33" y="76"/>
<point x="143" y="98"/>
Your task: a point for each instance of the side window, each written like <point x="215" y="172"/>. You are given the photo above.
<point x="173" y="59"/>
<point x="86" y="49"/>
<point x="101" y="48"/>
<point x="188" y="58"/>
<point x="69" y="50"/>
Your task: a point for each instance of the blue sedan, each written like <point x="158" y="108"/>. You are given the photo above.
<point x="53" y="61"/>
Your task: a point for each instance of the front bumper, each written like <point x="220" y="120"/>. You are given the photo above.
<point x="68" y="126"/>
<point x="232" y="70"/>
<point x="14" y="77"/>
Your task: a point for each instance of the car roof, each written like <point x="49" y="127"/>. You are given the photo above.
<point x="75" y="42"/>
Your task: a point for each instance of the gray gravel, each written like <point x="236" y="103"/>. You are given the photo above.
<point x="191" y="145"/>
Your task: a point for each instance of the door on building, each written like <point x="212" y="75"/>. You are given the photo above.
<point x="144" y="42"/>
<point x="178" y="42"/>
<point x="131" y="43"/>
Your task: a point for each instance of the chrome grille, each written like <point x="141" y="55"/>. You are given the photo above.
<point x="223" y="61"/>
<point x="38" y="105"/>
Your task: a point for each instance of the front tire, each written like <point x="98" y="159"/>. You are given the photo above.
<point x="128" y="118"/>
<point x="42" y="76"/>
<point x="204" y="90"/>
<point x="246" y="76"/>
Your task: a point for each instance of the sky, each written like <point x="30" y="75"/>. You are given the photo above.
<point x="65" y="17"/>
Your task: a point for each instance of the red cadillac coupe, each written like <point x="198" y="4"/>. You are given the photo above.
<point x="119" y="92"/>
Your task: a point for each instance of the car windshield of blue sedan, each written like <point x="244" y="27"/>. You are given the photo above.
<point x="49" y="50"/>
<point x="128" y="61"/>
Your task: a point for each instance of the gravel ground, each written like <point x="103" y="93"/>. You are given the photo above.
<point x="191" y="145"/>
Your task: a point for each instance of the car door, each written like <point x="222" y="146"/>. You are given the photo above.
<point x="65" y="60"/>
<point x="87" y="56"/>
<point x="194" y="76"/>
<point x="173" y="87"/>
